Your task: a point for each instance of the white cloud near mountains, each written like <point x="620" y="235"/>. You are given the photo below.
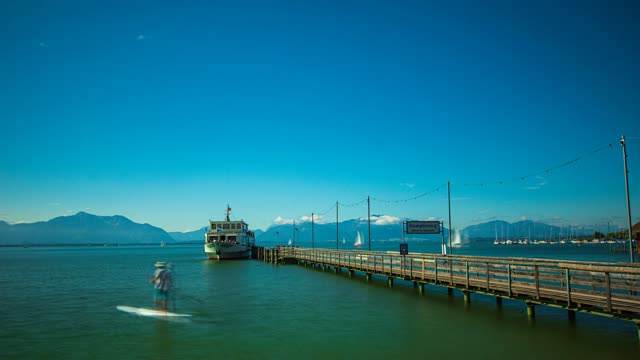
<point x="282" y="221"/>
<point x="383" y="219"/>
<point x="319" y="219"/>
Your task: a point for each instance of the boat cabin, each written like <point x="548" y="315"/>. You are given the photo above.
<point x="227" y="231"/>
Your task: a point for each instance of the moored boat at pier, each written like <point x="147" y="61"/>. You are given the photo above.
<point x="228" y="239"/>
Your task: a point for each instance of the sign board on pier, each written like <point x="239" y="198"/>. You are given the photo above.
<point x="423" y="227"/>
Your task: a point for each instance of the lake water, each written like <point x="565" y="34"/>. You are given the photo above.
<point x="60" y="303"/>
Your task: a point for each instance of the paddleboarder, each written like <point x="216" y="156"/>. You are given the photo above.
<point x="162" y="280"/>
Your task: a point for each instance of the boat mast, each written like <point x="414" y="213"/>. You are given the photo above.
<point x="228" y="210"/>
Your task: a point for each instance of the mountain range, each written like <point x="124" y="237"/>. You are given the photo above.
<point x="84" y="228"/>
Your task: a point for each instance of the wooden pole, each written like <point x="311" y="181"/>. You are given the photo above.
<point x="626" y="184"/>
<point x="369" y="220"/>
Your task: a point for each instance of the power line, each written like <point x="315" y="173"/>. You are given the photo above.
<point x="411" y="198"/>
<point x="355" y="204"/>
<point x="545" y="171"/>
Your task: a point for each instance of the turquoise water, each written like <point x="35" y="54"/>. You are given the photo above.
<point x="60" y="303"/>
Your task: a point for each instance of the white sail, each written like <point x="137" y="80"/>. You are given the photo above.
<point x="358" y="242"/>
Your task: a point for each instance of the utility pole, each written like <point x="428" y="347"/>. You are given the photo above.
<point x="626" y="184"/>
<point x="369" y="220"/>
<point x="312" y="233"/>
<point x="449" y="200"/>
<point x="336" y="225"/>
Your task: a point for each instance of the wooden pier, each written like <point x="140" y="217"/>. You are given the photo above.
<point x="608" y="289"/>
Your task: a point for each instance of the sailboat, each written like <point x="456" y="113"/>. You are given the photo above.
<point x="358" y="242"/>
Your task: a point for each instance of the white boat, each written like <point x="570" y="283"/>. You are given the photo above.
<point x="228" y="239"/>
<point x="358" y="242"/>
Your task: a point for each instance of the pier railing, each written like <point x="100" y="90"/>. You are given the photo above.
<point x="611" y="289"/>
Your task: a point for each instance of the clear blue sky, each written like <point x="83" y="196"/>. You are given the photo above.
<point x="165" y="112"/>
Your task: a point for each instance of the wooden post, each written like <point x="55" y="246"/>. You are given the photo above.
<point x="487" y="276"/>
<point x="531" y="310"/>
<point x="568" y="279"/>
<point x="421" y="288"/>
<point x="368" y="276"/>
<point x="451" y="271"/>
<point x="509" y="277"/>
<point x="411" y="268"/>
<point x="467" y="273"/>
<point x="390" y="281"/>
<point x="536" y="277"/>
<point x="467" y="297"/>
<point x="607" y="284"/>
<point x="498" y="301"/>
<point x="572" y="316"/>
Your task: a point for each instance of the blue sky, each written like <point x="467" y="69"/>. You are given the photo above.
<point x="166" y="112"/>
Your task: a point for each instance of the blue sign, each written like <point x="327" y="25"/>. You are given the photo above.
<point x="404" y="249"/>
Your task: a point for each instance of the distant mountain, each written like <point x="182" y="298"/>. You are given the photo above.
<point x="195" y="235"/>
<point x="324" y="233"/>
<point x="513" y="231"/>
<point x="82" y="228"/>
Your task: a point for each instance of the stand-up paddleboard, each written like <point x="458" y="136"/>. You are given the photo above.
<point x="150" y="312"/>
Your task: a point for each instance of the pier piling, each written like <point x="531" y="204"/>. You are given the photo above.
<point x="531" y="310"/>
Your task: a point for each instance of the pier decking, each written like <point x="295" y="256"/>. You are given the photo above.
<point x="608" y="289"/>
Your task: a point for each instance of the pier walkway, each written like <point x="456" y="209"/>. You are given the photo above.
<point x="608" y="289"/>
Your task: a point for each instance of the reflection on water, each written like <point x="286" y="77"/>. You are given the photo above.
<point x="162" y="341"/>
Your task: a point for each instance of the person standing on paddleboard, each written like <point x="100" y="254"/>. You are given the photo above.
<point x="162" y="280"/>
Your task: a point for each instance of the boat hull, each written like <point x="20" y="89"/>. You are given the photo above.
<point x="222" y="251"/>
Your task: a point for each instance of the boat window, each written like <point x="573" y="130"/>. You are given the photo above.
<point x="225" y="226"/>
<point x="231" y="238"/>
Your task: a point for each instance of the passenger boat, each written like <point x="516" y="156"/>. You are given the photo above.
<point x="228" y="239"/>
